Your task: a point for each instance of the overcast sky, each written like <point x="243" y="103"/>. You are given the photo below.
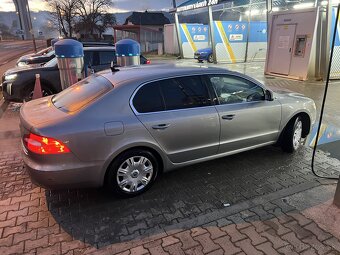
<point x="119" y="5"/>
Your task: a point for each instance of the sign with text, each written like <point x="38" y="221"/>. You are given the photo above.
<point x="198" y="4"/>
<point x="19" y="32"/>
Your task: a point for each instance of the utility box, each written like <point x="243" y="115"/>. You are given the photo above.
<point x="290" y="43"/>
<point x="170" y="39"/>
<point x="128" y="52"/>
<point x="70" y="57"/>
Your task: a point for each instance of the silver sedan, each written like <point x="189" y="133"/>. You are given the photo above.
<point x="122" y="128"/>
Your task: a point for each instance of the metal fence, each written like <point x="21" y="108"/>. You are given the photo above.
<point x="335" y="70"/>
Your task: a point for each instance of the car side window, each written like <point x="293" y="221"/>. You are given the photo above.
<point x="105" y="57"/>
<point x="95" y="58"/>
<point x="231" y="89"/>
<point x="148" y="99"/>
<point x="184" y="92"/>
<point x="88" y="58"/>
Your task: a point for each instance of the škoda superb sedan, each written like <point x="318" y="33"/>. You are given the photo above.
<point x="122" y="128"/>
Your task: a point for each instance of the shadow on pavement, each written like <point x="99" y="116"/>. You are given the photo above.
<point x="95" y="217"/>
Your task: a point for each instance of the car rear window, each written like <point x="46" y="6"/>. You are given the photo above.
<point x="82" y="93"/>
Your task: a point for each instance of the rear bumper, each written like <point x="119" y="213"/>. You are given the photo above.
<point x="65" y="175"/>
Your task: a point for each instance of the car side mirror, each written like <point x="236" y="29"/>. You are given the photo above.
<point x="269" y="95"/>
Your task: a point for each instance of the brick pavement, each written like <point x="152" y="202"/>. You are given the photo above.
<point x="182" y="214"/>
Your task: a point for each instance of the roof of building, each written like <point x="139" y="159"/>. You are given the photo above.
<point x="147" y="18"/>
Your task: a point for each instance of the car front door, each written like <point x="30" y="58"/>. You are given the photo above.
<point x="247" y="118"/>
<point x="179" y="115"/>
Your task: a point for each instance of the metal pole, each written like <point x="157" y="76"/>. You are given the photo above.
<point x="318" y="43"/>
<point x="269" y="9"/>
<point x="179" y="39"/>
<point x="326" y="38"/>
<point x="337" y="195"/>
<point x="336" y="200"/>
<point x="212" y="34"/>
<point x="174" y="3"/>
<point x="248" y="33"/>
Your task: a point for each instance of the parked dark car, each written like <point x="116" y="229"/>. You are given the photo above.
<point x="38" y="58"/>
<point x="204" y="54"/>
<point x="18" y="83"/>
<point x="97" y="44"/>
<point x="45" y="55"/>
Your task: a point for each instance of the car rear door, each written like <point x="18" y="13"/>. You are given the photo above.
<point x="247" y="119"/>
<point x="179" y="115"/>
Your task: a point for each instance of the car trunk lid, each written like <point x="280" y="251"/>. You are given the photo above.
<point x="38" y="112"/>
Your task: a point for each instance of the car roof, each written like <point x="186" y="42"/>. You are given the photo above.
<point x="144" y="73"/>
<point x="101" y="48"/>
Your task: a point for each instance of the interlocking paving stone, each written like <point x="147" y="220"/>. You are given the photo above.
<point x="91" y="221"/>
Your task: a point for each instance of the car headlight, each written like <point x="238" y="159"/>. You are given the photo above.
<point x="10" y="77"/>
<point x="22" y="64"/>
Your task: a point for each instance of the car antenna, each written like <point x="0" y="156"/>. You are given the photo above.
<point x="114" y="67"/>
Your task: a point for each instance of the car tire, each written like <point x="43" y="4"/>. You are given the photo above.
<point x="210" y="58"/>
<point x="292" y="136"/>
<point x="28" y="93"/>
<point x="126" y="181"/>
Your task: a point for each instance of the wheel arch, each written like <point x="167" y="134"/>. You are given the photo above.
<point x="306" y="124"/>
<point x="155" y="152"/>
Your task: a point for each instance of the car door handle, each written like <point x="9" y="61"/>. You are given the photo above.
<point x="228" y="117"/>
<point x="161" y="126"/>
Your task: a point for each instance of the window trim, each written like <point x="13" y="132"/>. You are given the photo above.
<point x="237" y="76"/>
<point x="202" y="78"/>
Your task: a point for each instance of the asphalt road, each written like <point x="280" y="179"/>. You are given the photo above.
<point x="12" y="50"/>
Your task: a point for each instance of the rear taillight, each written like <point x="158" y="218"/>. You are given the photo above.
<point x="44" y="145"/>
<point x="148" y="62"/>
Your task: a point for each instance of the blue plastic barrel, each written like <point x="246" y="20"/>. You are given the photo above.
<point x="69" y="48"/>
<point x="70" y="57"/>
<point x="128" y="52"/>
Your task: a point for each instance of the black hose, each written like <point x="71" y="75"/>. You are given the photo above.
<point x="324" y="98"/>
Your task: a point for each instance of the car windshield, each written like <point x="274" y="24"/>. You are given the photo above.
<point x="49" y="54"/>
<point x="52" y="63"/>
<point x="82" y="93"/>
<point x="44" y="51"/>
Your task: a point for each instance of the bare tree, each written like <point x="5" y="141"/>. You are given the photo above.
<point x="94" y="15"/>
<point x="64" y="13"/>
<point x="91" y="17"/>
